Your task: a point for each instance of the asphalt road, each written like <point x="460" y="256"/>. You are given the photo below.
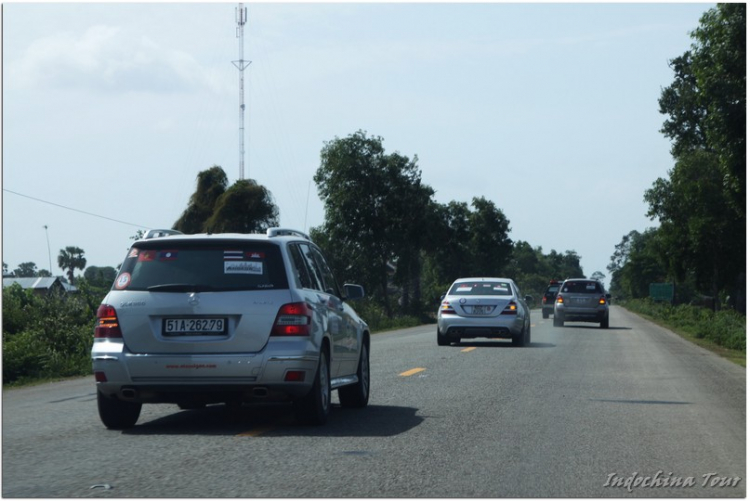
<point x="632" y="411"/>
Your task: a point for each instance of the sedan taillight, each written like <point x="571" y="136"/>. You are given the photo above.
<point x="511" y="309"/>
<point x="293" y="319"/>
<point x="446" y="308"/>
<point x="107" y="325"/>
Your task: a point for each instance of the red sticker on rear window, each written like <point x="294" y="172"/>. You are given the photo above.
<point x="147" y="255"/>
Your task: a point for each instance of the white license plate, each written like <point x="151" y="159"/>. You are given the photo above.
<point x="187" y="326"/>
<point x="480" y="310"/>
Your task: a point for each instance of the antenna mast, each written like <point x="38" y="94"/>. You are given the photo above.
<point x="241" y="64"/>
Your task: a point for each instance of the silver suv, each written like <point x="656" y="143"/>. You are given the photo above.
<point x="582" y="300"/>
<point x="228" y="318"/>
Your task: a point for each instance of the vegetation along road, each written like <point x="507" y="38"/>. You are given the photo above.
<point x="632" y="411"/>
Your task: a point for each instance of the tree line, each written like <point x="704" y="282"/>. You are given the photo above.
<point x="700" y="243"/>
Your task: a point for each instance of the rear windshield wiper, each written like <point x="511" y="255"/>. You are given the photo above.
<point x="180" y="288"/>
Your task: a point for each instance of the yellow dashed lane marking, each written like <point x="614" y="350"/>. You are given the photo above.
<point x="468" y="349"/>
<point x="412" y="371"/>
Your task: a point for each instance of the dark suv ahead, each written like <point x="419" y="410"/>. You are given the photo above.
<point x="548" y="298"/>
<point x="582" y="300"/>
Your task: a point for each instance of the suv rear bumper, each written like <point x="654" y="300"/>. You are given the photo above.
<point x="581" y="314"/>
<point x="173" y="378"/>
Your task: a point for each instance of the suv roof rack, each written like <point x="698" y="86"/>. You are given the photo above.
<point x="161" y="233"/>
<point x="280" y="232"/>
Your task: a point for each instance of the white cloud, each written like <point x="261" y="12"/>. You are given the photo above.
<point x="107" y="58"/>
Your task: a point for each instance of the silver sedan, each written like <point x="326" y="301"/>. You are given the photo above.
<point x="484" y="307"/>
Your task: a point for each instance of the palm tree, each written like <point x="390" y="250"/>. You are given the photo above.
<point x="71" y="258"/>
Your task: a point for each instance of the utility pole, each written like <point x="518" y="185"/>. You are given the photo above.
<point x="241" y="64"/>
<point x="49" y="252"/>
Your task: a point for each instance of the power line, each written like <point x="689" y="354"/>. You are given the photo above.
<point x="75" y="210"/>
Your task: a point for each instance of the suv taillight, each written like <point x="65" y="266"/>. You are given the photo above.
<point x="293" y="319"/>
<point x="107" y="325"/>
<point x="560" y="299"/>
<point x="602" y="300"/>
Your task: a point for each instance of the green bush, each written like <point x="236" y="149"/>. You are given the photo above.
<point x="725" y="328"/>
<point x="46" y="336"/>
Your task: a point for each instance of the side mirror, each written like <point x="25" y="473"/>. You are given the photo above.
<point x="354" y="291"/>
<point x="442" y="297"/>
<point x="608" y="296"/>
<point x="529" y="299"/>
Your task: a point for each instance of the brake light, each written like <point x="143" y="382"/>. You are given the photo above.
<point x="293" y="319"/>
<point x="446" y="308"/>
<point x="544" y="299"/>
<point x="511" y="309"/>
<point x="107" y="325"/>
<point x="602" y="300"/>
<point x="559" y="300"/>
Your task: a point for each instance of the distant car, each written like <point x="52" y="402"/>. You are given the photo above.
<point x="582" y="300"/>
<point x="484" y="307"/>
<point x="228" y="318"/>
<point x="548" y="298"/>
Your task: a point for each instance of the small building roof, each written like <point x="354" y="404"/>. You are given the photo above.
<point x="38" y="283"/>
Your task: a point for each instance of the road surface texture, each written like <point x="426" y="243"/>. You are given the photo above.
<point x="629" y="411"/>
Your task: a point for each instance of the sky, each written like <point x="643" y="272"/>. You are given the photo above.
<point x="549" y="110"/>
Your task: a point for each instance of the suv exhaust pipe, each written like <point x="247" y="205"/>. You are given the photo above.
<point x="129" y="393"/>
<point x="260" y="392"/>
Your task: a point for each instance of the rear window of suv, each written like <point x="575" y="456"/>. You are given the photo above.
<point x="191" y="266"/>
<point x="582" y="287"/>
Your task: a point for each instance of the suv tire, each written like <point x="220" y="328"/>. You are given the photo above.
<point x="313" y="408"/>
<point x="558" y="321"/>
<point x="116" y="414"/>
<point x="604" y="324"/>
<point x="357" y="395"/>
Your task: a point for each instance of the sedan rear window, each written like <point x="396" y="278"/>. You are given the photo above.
<point x="481" y="289"/>
<point x="182" y="266"/>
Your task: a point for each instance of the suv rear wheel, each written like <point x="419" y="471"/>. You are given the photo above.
<point x="116" y="414"/>
<point x="558" y="321"/>
<point x="314" y="407"/>
<point x="357" y="395"/>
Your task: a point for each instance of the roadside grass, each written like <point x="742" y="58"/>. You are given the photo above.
<point x="723" y="333"/>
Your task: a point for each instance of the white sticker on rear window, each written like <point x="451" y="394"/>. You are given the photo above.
<point x="243" y="267"/>
<point x="463" y="289"/>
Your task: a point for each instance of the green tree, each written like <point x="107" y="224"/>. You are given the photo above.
<point x="598" y="275"/>
<point x="71" y="258"/>
<point x="27" y="269"/>
<point x="490" y="245"/>
<point x="246" y="207"/>
<point x="366" y="195"/>
<point x="699" y="226"/>
<point x="211" y="184"/>
<point x="706" y="103"/>
<point x="100" y="276"/>
<point x="636" y="263"/>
